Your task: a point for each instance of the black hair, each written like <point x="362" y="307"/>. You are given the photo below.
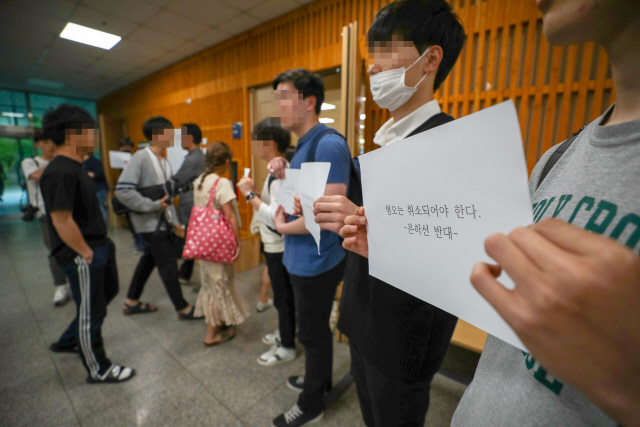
<point x="425" y="23"/>
<point x="124" y="142"/>
<point x="154" y="124"/>
<point x="57" y="123"/>
<point x="310" y="84"/>
<point x="193" y="130"/>
<point x="39" y="136"/>
<point x="269" y="129"/>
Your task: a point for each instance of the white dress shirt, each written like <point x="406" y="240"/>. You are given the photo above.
<point x="392" y="131"/>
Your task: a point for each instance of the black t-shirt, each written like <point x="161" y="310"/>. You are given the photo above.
<point x="66" y="186"/>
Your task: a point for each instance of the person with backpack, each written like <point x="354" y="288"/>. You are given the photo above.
<point x="299" y="94"/>
<point x="32" y="168"/>
<point x="397" y="341"/>
<point x="270" y="140"/>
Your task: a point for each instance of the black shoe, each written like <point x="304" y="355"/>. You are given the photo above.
<point x="295" y="417"/>
<point x="190" y="315"/>
<point x="115" y="374"/>
<point x="57" y="348"/>
<point x="296" y="383"/>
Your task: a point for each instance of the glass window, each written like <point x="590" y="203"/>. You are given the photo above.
<point x="13" y="108"/>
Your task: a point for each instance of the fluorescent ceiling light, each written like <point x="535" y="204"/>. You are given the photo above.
<point x="326" y="120"/>
<point x="7" y="114"/>
<point x="89" y="36"/>
<point x="326" y="106"/>
<point x="363" y="116"/>
<point x="361" y="126"/>
<point x="46" y="83"/>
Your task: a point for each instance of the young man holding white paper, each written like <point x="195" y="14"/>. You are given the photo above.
<point x="269" y="140"/>
<point x="314" y="276"/>
<point x="575" y="304"/>
<point x="397" y="341"/>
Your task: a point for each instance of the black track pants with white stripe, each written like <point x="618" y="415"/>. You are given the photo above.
<point x="93" y="287"/>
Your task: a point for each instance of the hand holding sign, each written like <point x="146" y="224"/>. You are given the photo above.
<point x="473" y="183"/>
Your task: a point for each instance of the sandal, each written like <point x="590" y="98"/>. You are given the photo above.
<point x="139" y="308"/>
<point x="189" y="315"/>
<point x="226" y="334"/>
<point x="115" y="374"/>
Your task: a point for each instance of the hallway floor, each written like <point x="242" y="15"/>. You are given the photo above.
<point x="179" y="381"/>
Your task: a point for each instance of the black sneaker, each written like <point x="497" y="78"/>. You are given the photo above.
<point x="296" y="383"/>
<point x="57" y="348"/>
<point x="295" y="417"/>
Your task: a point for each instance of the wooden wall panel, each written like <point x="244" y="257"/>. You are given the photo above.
<point x="555" y="89"/>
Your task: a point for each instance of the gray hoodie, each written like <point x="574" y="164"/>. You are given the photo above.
<point x="144" y="170"/>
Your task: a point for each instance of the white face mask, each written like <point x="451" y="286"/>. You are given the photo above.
<point x="388" y="88"/>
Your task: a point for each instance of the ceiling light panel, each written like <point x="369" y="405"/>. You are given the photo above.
<point x="89" y="36"/>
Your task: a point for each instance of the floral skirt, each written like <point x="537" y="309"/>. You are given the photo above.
<point x="218" y="300"/>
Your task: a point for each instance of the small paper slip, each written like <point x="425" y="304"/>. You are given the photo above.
<point x="177" y="138"/>
<point x="441" y="193"/>
<point x="288" y="189"/>
<point x="247" y="171"/>
<point x="313" y="181"/>
<point x="175" y="156"/>
<point x="118" y="159"/>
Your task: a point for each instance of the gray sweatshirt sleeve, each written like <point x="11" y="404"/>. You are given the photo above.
<point x="126" y="188"/>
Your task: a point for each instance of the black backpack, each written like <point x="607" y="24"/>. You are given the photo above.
<point x="354" y="174"/>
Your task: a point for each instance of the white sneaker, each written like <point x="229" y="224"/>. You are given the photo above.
<point x="262" y="306"/>
<point x="276" y="355"/>
<point x="62" y="295"/>
<point x="272" y="339"/>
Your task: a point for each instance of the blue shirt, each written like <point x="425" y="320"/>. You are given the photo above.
<point x="300" y="250"/>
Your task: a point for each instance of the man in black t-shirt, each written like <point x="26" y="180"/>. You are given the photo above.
<point x="79" y="241"/>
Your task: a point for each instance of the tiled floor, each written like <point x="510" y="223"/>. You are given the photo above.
<point x="179" y="381"/>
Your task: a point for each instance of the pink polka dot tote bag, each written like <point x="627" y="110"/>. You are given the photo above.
<point x="209" y="234"/>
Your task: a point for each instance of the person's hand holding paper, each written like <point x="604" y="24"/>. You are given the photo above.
<point x="425" y="239"/>
<point x="288" y="189"/>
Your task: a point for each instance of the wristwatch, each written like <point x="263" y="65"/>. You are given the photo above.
<point x="251" y="195"/>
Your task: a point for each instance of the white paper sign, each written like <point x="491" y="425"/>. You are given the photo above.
<point x="119" y="159"/>
<point x="288" y="189"/>
<point x="313" y="180"/>
<point x="432" y="199"/>
<point x="177" y="137"/>
<point x="175" y="156"/>
<point x="247" y="171"/>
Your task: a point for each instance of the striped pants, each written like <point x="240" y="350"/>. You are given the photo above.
<point x="93" y="286"/>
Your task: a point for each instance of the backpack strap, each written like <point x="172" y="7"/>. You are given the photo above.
<point x="311" y="156"/>
<point x="556" y="156"/>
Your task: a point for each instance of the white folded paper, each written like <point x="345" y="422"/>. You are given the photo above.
<point x="247" y="171"/>
<point x="288" y="189"/>
<point x="119" y="159"/>
<point x="432" y="199"/>
<point x="313" y="181"/>
<point x="175" y="156"/>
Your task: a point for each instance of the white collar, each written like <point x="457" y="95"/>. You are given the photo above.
<point x="161" y="167"/>
<point x="391" y="131"/>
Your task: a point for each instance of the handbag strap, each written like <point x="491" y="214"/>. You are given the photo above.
<point x="212" y="194"/>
